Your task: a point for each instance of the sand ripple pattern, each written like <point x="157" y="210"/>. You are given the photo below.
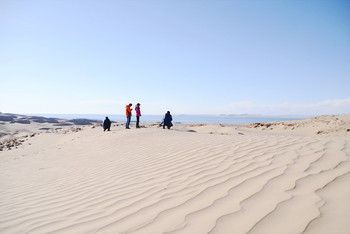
<point x="156" y="181"/>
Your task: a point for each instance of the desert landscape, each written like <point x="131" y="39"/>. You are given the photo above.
<point x="255" y="95"/>
<point x="69" y="176"/>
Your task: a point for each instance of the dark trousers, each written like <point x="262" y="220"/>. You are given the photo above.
<point x="105" y="128"/>
<point x="168" y="126"/>
<point x="137" y="121"/>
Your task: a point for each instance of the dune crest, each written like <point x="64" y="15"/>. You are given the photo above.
<point x="329" y="125"/>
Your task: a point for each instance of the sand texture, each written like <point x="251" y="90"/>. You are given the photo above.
<point x="194" y="178"/>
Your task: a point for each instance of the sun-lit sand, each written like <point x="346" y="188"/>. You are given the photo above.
<point x="290" y="177"/>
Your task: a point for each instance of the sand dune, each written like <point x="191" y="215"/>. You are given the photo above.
<point x="334" y="125"/>
<point x="192" y="179"/>
<point x="13" y="125"/>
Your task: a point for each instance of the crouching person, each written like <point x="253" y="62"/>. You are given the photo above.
<point x="167" y="120"/>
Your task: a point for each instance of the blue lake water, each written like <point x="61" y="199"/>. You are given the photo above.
<point x="177" y="118"/>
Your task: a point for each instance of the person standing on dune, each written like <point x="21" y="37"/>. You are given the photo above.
<point x="107" y="124"/>
<point x="128" y="115"/>
<point x="138" y="114"/>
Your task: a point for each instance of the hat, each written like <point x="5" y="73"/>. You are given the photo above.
<point x="130" y="104"/>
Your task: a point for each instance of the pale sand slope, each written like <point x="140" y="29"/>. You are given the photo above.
<point x="150" y="180"/>
<point x="334" y="125"/>
<point x="15" y="125"/>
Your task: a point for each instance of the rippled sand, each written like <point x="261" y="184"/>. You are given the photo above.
<point x="223" y="179"/>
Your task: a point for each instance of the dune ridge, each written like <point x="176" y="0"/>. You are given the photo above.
<point x="150" y="180"/>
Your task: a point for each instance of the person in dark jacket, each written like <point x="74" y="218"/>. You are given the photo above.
<point x="107" y="124"/>
<point x="167" y="120"/>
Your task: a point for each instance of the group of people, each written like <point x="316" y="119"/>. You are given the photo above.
<point x="167" y="121"/>
<point x="128" y="112"/>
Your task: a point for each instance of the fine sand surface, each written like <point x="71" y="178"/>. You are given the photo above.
<point x="194" y="178"/>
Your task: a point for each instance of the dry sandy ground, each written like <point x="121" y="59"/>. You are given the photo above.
<point x="207" y="178"/>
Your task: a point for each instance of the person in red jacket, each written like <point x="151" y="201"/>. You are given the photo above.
<point x="128" y="115"/>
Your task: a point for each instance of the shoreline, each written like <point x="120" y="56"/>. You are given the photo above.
<point x="179" y="118"/>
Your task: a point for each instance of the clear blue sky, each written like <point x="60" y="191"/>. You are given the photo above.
<point x="187" y="56"/>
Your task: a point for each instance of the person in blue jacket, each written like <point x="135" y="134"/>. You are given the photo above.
<point x="167" y="120"/>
